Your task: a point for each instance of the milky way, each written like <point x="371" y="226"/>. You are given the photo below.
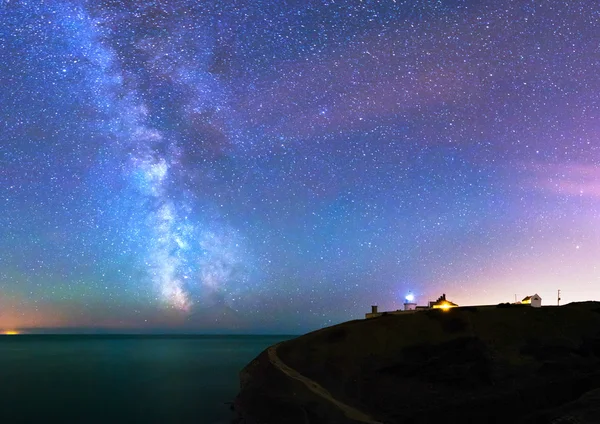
<point x="280" y="166"/>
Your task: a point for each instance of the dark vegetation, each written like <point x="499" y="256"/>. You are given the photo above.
<point x="512" y="305"/>
<point x="450" y="323"/>
<point x="469" y="309"/>
<point x="496" y="364"/>
<point x="461" y="362"/>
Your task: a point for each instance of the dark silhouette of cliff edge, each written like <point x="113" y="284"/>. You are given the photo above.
<point x="492" y="364"/>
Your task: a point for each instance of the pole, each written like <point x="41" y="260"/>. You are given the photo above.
<point x="558" y="302"/>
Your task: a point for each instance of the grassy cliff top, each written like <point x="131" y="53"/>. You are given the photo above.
<point x="504" y="328"/>
<point x="454" y="358"/>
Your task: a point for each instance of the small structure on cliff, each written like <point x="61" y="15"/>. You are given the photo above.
<point x="442" y="303"/>
<point x="411" y="306"/>
<point x="409" y="302"/>
<point x="535" y="301"/>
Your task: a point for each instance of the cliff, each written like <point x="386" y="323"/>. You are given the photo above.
<point x="470" y="365"/>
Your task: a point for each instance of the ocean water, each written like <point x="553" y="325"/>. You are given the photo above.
<point x="109" y="379"/>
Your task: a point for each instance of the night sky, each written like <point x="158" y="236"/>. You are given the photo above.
<point x="278" y="166"/>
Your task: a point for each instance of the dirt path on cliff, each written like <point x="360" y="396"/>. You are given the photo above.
<point x="349" y="411"/>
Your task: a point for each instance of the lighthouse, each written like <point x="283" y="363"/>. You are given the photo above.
<point x="409" y="302"/>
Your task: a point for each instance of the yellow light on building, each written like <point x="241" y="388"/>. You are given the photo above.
<point x="444" y="306"/>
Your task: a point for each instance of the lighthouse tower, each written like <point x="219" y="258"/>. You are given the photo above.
<point x="409" y="302"/>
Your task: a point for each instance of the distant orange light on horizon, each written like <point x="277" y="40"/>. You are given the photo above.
<point x="11" y="332"/>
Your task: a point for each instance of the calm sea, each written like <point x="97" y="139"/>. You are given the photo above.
<point x="108" y="379"/>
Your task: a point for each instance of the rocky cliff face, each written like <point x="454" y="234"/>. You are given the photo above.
<point x="487" y="364"/>
<point x="585" y="410"/>
<point x="268" y="396"/>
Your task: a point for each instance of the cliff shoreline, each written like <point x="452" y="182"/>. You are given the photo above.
<point x="466" y="365"/>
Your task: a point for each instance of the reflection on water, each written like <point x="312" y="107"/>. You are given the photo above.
<point x="122" y="379"/>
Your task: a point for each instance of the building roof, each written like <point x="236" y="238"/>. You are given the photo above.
<point x="443" y="302"/>
<point x="528" y="298"/>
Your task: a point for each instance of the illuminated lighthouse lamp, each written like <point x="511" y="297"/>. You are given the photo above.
<point x="409" y="302"/>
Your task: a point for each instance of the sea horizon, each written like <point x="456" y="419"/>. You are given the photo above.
<point x="124" y="377"/>
<point x="26" y="333"/>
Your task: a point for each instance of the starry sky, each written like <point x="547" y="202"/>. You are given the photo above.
<point x="282" y="165"/>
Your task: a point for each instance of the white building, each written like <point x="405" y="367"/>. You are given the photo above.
<point x="410" y="306"/>
<point x="534" y="300"/>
